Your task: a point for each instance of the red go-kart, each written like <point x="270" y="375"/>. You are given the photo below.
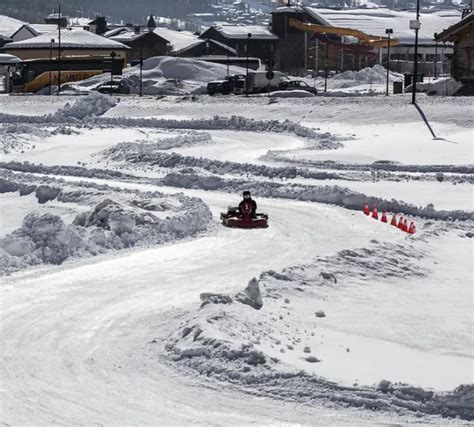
<point x="244" y="218"/>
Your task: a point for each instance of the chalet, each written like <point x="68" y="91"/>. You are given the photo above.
<point x="13" y="30"/>
<point x="260" y="41"/>
<point x="74" y="42"/>
<point x="462" y="64"/>
<point x="205" y="48"/>
<point x="142" y="44"/>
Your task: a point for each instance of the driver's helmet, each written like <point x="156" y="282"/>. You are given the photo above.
<point x="246" y="195"/>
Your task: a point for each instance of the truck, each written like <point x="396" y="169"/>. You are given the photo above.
<point x="259" y="82"/>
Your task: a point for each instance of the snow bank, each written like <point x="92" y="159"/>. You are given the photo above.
<point x="144" y="154"/>
<point x="94" y="104"/>
<point x="164" y="75"/>
<point x="231" y="343"/>
<point x="442" y="87"/>
<point x="375" y="74"/>
<point x="291" y="94"/>
<point x="336" y="195"/>
<point x="133" y="219"/>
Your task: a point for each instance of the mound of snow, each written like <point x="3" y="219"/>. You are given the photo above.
<point x="443" y="87"/>
<point x="167" y="76"/>
<point x="375" y="74"/>
<point x="291" y="94"/>
<point x="94" y="104"/>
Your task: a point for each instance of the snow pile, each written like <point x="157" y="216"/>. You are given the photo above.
<point x="446" y="86"/>
<point x="137" y="219"/>
<point x="122" y="150"/>
<point x="18" y="136"/>
<point x="166" y="75"/>
<point x="274" y="351"/>
<point x="94" y="104"/>
<point x="291" y="94"/>
<point x="375" y="74"/>
<point x="336" y="195"/>
<point x="142" y="154"/>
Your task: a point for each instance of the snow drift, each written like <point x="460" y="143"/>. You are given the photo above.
<point x="117" y="220"/>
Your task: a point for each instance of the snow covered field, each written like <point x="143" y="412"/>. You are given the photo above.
<point x="124" y="298"/>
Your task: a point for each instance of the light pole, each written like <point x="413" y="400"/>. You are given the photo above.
<point x="50" y="64"/>
<point x="249" y="36"/>
<point x="415" y="25"/>
<point x="436" y="56"/>
<point x="112" y="56"/>
<point x="141" y="67"/>
<point x="326" y="66"/>
<point x="388" y="31"/>
<point x="59" y="48"/>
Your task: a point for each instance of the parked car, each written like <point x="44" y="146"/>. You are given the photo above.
<point x="225" y="86"/>
<point x="114" y="86"/>
<point x="297" y="84"/>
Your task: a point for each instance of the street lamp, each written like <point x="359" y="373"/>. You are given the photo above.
<point x="415" y="25"/>
<point x="50" y="63"/>
<point x="436" y="56"/>
<point x="249" y="36"/>
<point x="388" y="31"/>
<point x="141" y="67"/>
<point x="112" y="56"/>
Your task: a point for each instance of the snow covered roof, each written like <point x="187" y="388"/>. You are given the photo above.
<point x="70" y="39"/>
<point x="9" y="26"/>
<point x="177" y="39"/>
<point x="231" y="50"/>
<point x="376" y="21"/>
<point x="241" y="31"/>
<point x="43" y="28"/>
<point x="450" y="33"/>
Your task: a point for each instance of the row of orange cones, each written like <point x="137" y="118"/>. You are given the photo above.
<point x="402" y="223"/>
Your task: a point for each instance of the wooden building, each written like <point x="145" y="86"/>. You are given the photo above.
<point x="462" y="63"/>
<point x="260" y="41"/>
<point x="73" y="43"/>
<point x="142" y="44"/>
<point x="205" y="48"/>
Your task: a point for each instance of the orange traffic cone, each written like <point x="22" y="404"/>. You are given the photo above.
<point x="384" y="216"/>
<point x="394" y="220"/>
<point x="375" y="213"/>
<point x="400" y="223"/>
<point x="405" y="225"/>
<point x="366" y="208"/>
<point x="412" y="229"/>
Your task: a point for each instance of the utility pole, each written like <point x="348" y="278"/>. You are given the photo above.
<point x="388" y="31"/>
<point x="415" y="25"/>
<point x="141" y="67"/>
<point x="59" y="48"/>
<point x="326" y="65"/>
<point x="436" y="56"/>
<point x="249" y="36"/>
<point x="112" y="57"/>
<point x="50" y="64"/>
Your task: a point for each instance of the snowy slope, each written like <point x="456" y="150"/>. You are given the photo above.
<point x="125" y="336"/>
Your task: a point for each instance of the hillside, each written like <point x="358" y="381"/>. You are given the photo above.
<point x="36" y="10"/>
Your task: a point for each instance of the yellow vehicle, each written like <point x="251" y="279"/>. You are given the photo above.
<point x="35" y="74"/>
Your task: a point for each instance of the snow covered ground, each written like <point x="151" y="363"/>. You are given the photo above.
<point x="123" y="298"/>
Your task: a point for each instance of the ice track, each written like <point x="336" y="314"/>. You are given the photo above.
<point x="77" y="351"/>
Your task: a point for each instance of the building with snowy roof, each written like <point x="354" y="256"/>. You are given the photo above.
<point x="353" y="54"/>
<point x="13" y="30"/>
<point x="462" y="63"/>
<point x="259" y="40"/>
<point x="142" y="44"/>
<point x="74" y="42"/>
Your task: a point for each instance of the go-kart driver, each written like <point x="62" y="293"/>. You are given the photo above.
<point x="247" y="206"/>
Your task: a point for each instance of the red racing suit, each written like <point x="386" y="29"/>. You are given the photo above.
<point x="248" y="207"/>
